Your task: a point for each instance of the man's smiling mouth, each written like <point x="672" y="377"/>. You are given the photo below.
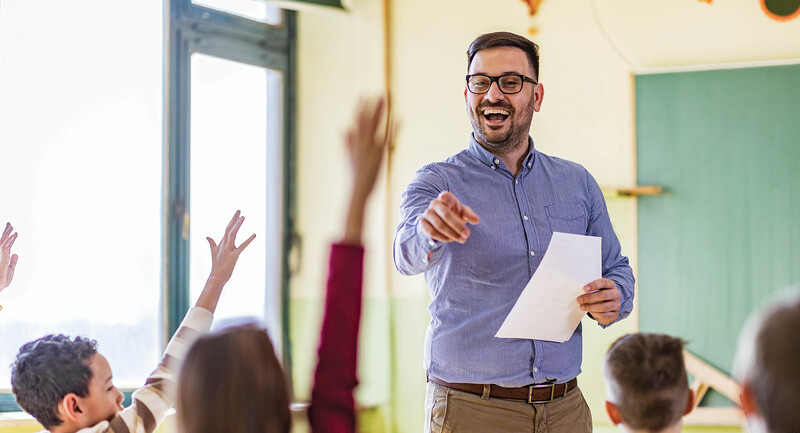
<point x="495" y="115"/>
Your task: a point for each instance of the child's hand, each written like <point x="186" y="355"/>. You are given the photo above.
<point x="225" y="255"/>
<point x="366" y="142"/>
<point x="8" y="261"/>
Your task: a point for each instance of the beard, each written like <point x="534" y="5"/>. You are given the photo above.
<point x="509" y="137"/>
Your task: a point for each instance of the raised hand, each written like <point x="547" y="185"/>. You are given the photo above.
<point x="223" y="260"/>
<point x="225" y="255"/>
<point x="367" y="141"/>
<point x="446" y="219"/>
<point x="8" y="261"/>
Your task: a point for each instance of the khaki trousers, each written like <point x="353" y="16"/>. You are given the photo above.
<point x="450" y="410"/>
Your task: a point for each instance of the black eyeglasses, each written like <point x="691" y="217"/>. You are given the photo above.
<point x="508" y="83"/>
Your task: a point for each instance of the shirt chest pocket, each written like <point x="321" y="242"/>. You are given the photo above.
<point x="567" y="218"/>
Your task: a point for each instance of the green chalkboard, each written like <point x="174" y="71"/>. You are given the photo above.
<point x="725" y="145"/>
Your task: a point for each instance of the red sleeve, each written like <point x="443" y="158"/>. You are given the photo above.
<point x="332" y="405"/>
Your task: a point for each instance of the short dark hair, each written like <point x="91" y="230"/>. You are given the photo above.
<point x="46" y="370"/>
<point x="647" y="381"/>
<point x="231" y="380"/>
<point x="767" y="360"/>
<point x="505" y="39"/>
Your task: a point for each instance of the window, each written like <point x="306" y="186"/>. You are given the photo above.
<point x="228" y="81"/>
<point x="109" y="186"/>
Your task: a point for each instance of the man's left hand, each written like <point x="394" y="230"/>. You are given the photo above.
<point x="601" y="301"/>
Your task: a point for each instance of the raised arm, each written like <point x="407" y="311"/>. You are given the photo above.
<point x="332" y="405"/>
<point x="152" y="402"/>
<point x="8" y="261"/>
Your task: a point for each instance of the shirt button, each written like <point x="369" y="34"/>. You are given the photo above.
<point x="497" y="161"/>
<point x="492" y="167"/>
<point x="535" y="369"/>
<point x="532" y="253"/>
<point x="529" y="164"/>
<point x="525" y="217"/>
<point x="516" y="181"/>
<point x="432" y="243"/>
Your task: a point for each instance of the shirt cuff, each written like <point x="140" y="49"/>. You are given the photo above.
<point x="198" y="318"/>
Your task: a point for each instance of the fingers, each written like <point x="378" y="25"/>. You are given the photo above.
<point x="469" y="215"/>
<point x="434" y="233"/>
<point x="13" y="263"/>
<point x="599" y="284"/>
<point x="8" y="242"/>
<point x="230" y="225"/>
<point x="602" y="301"/>
<point x="464" y="212"/>
<point x="247" y="242"/>
<point x="377" y="114"/>
<point x="446" y="219"/>
<point x="228" y="240"/>
<point x="6" y="231"/>
<point x="368" y="122"/>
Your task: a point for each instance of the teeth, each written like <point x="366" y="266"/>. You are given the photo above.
<point x="489" y="111"/>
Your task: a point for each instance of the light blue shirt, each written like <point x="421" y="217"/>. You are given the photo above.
<point x="474" y="285"/>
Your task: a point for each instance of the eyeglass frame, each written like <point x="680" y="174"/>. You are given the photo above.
<point x="496" y="79"/>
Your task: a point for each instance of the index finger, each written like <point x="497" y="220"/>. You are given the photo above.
<point x="464" y="212"/>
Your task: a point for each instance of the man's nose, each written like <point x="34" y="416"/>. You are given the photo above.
<point x="494" y="94"/>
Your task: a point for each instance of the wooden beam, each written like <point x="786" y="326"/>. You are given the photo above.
<point x="712" y="377"/>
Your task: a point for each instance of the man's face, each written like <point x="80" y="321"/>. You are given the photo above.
<point x="508" y="125"/>
<point x="104" y="399"/>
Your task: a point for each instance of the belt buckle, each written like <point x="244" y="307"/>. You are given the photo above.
<point x="530" y="393"/>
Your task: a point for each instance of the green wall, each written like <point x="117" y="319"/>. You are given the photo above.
<point x="726" y="147"/>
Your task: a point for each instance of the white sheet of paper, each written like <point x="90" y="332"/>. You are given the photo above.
<point x="546" y="309"/>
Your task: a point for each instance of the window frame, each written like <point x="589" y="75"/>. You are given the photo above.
<point x="189" y="29"/>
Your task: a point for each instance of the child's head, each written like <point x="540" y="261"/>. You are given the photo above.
<point x="231" y="380"/>
<point x="61" y="380"/>
<point x="646" y="382"/>
<point x="766" y="365"/>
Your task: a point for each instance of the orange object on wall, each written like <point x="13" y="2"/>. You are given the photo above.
<point x="781" y="10"/>
<point x="532" y="6"/>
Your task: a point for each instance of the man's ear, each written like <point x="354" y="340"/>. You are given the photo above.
<point x="690" y="402"/>
<point x="69" y="409"/>
<point x="613" y="413"/>
<point x="748" y="400"/>
<point x="538" y="96"/>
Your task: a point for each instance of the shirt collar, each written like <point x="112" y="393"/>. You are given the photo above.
<point x="488" y="158"/>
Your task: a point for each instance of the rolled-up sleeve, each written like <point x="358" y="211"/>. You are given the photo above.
<point x="615" y="266"/>
<point x="412" y="249"/>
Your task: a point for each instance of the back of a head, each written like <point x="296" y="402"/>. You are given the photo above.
<point x="231" y="381"/>
<point x="768" y="362"/>
<point x="646" y="380"/>
<point x="505" y="39"/>
<point x="46" y="370"/>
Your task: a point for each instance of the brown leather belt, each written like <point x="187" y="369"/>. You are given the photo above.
<point x="530" y="393"/>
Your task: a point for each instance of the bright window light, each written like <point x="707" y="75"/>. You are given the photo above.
<point x="237" y="163"/>
<point x="80" y="139"/>
<point x="258" y="10"/>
